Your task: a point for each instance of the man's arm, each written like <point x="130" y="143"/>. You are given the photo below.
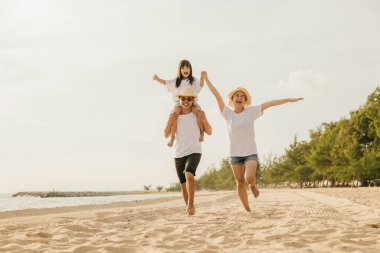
<point x="266" y="105"/>
<point x="169" y="124"/>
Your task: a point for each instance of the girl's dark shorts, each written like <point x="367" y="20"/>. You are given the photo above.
<point x="187" y="163"/>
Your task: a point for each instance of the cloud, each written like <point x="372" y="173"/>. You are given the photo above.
<point x="309" y="82"/>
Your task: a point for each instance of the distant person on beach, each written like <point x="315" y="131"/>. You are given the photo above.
<point x="183" y="80"/>
<point x="240" y="121"/>
<point x="188" y="150"/>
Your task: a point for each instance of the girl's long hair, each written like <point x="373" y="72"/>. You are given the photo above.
<point x="184" y="63"/>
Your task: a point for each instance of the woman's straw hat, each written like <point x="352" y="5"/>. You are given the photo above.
<point x="186" y="92"/>
<point x="246" y="93"/>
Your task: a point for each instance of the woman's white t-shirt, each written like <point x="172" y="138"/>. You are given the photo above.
<point x="187" y="136"/>
<point x="171" y="87"/>
<point x="241" y="130"/>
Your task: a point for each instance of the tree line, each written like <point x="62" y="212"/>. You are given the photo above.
<point x="339" y="153"/>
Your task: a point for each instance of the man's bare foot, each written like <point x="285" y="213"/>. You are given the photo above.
<point x="170" y="143"/>
<point x="190" y="210"/>
<point x="201" y="138"/>
<point x="254" y="190"/>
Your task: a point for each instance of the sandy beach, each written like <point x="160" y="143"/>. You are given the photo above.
<point x="311" y="220"/>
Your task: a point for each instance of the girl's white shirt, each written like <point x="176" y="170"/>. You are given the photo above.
<point x="241" y="130"/>
<point x="171" y="87"/>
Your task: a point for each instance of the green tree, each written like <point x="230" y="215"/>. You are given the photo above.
<point x="217" y="179"/>
<point x="174" y="188"/>
<point x="224" y="177"/>
<point x="339" y="152"/>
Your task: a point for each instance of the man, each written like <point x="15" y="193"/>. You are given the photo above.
<point x="188" y="150"/>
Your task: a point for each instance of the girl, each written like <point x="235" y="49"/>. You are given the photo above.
<point x="240" y="121"/>
<point x="184" y="79"/>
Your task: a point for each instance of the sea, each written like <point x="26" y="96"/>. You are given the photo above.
<point x="9" y="203"/>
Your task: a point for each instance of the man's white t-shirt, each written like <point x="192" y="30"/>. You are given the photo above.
<point x="241" y="130"/>
<point x="187" y="136"/>
<point x="171" y="87"/>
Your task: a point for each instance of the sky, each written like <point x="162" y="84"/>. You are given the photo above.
<point x="79" y="109"/>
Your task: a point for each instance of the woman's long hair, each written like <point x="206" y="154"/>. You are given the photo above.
<point x="184" y="63"/>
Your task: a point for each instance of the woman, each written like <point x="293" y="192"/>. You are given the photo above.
<point x="240" y="122"/>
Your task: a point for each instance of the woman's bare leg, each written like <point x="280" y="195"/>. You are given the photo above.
<point x="238" y="170"/>
<point x="250" y="176"/>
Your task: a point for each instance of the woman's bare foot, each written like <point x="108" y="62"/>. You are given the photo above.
<point x="254" y="190"/>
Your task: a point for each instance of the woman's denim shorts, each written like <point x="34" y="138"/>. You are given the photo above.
<point x="243" y="159"/>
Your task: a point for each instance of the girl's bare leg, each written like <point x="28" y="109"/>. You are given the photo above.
<point x="201" y="129"/>
<point x="177" y="110"/>
<point x="197" y="111"/>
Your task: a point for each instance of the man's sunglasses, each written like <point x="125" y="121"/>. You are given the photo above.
<point x="189" y="99"/>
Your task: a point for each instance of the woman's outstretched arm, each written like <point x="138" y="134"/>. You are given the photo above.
<point x="214" y="91"/>
<point x="268" y="104"/>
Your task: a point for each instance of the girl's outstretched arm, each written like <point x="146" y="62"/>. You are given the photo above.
<point x="156" y="78"/>
<point x="266" y="105"/>
<point x="214" y="91"/>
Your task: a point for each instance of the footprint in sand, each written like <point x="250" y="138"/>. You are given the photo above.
<point x="40" y="234"/>
<point x="295" y="244"/>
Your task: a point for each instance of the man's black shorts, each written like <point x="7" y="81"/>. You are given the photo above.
<point x="187" y="163"/>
